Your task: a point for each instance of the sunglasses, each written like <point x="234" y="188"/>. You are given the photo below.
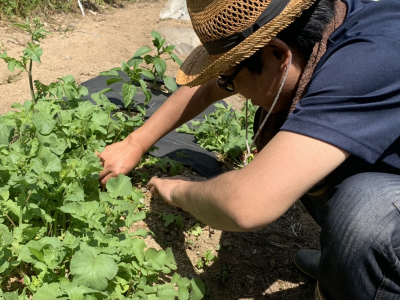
<point x="225" y="82"/>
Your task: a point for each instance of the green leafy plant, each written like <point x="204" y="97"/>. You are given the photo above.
<point x="19" y="8"/>
<point x="172" y="218"/>
<point x="62" y="235"/>
<point x="165" y="163"/>
<point x="195" y="230"/>
<point x="223" y="131"/>
<point x="31" y="53"/>
<point x="157" y="62"/>
<point x="134" y="74"/>
<point x="206" y="260"/>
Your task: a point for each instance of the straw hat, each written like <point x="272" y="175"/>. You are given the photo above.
<point x="232" y="30"/>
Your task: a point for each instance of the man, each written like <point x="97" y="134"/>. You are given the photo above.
<point x="337" y="149"/>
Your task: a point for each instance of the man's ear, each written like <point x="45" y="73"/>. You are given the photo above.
<point x="281" y="52"/>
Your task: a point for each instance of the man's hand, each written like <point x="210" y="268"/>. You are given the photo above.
<point x="119" y="158"/>
<point x="165" y="186"/>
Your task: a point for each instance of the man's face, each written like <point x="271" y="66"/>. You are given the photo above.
<point x="262" y="88"/>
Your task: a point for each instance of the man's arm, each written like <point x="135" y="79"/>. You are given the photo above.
<point x="182" y="106"/>
<point x="255" y="196"/>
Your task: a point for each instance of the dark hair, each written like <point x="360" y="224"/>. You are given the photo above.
<point x="302" y="34"/>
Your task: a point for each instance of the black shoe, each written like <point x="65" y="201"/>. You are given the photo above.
<point x="307" y="261"/>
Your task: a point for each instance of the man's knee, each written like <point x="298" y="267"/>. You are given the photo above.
<point x="360" y="231"/>
<point x="363" y="208"/>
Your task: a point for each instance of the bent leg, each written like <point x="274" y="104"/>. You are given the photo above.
<point x="360" y="239"/>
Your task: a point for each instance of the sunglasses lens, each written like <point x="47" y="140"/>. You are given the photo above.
<point x="224" y="84"/>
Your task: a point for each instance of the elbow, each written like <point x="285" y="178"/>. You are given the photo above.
<point x="246" y="224"/>
<point x="249" y="219"/>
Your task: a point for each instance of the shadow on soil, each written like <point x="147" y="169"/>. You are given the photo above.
<point x="255" y="265"/>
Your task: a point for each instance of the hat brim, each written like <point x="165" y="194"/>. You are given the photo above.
<point x="200" y="67"/>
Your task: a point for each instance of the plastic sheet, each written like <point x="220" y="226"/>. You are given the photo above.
<point x="181" y="147"/>
<point x="175" y="9"/>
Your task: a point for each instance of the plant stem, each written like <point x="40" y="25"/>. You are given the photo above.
<point x="31" y="81"/>
<point x="117" y="136"/>
<point x="11" y="221"/>
<point x="55" y="223"/>
<point x="153" y="70"/>
<point x="22" y="208"/>
<point x="64" y="222"/>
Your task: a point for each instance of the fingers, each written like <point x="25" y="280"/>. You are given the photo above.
<point x="104" y="180"/>
<point x="106" y="174"/>
<point x="98" y="154"/>
<point x="153" y="184"/>
<point x="154" y="191"/>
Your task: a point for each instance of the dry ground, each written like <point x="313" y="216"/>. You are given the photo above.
<point x="250" y="265"/>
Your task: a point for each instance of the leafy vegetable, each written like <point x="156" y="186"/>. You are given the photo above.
<point x="223" y="131"/>
<point x="58" y="228"/>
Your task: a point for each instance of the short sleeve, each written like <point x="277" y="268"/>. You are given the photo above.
<point x="353" y="99"/>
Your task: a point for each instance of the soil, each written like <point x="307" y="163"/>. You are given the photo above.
<point x="253" y="265"/>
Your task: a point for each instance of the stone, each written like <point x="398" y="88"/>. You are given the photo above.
<point x="185" y="39"/>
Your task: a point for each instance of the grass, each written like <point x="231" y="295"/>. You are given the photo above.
<point x="11" y="9"/>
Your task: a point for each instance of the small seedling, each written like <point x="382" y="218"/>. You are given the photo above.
<point x="199" y="263"/>
<point x="171" y="218"/>
<point x="209" y="258"/>
<point x="206" y="260"/>
<point x="195" y="230"/>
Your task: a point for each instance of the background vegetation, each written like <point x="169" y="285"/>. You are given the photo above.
<point x="10" y="9"/>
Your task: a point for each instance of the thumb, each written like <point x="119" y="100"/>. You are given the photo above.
<point x="152" y="183"/>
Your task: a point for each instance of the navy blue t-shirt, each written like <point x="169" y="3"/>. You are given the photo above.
<point x="353" y="98"/>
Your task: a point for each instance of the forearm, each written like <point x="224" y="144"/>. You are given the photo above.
<point x="216" y="202"/>
<point x="180" y="107"/>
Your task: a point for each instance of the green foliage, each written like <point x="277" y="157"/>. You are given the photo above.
<point x="19" y="8"/>
<point x="59" y="230"/>
<point x="195" y="230"/>
<point x="157" y="63"/>
<point x="172" y="218"/>
<point x="134" y="70"/>
<point x="223" y="131"/>
<point x="166" y="164"/>
<point x="31" y="53"/>
<point x="206" y="260"/>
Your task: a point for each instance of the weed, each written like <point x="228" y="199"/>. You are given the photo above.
<point x="206" y="260"/>
<point x="195" y="230"/>
<point x="30" y="54"/>
<point x="172" y="218"/>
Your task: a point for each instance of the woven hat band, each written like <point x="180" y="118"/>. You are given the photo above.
<point x="225" y="44"/>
